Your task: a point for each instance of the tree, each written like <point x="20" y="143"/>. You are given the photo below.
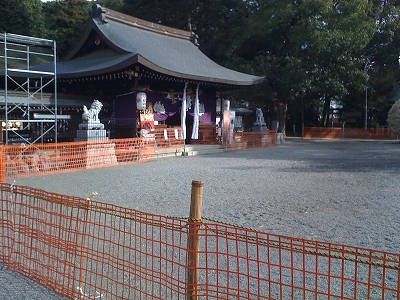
<point x="23" y="17"/>
<point x="163" y="12"/>
<point x="66" y="22"/>
<point x="350" y="29"/>
<point x="383" y="75"/>
<point x="217" y="23"/>
<point x="112" y="4"/>
<point x="394" y="118"/>
<point x="271" y="46"/>
<point x="309" y="49"/>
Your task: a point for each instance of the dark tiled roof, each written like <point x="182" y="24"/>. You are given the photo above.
<point x="162" y="49"/>
<point x="96" y="63"/>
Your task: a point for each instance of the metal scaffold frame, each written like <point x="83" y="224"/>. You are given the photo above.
<point x="25" y="81"/>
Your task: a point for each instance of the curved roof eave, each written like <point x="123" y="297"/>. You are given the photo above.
<point x="104" y="62"/>
<point x="169" y="54"/>
<point x="143" y="61"/>
<point x="164" y="50"/>
<point x="98" y="64"/>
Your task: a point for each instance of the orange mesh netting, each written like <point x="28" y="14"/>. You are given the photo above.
<point x="347" y="133"/>
<point x="39" y="159"/>
<point x="79" y="247"/>
<point x="2" y="164"/>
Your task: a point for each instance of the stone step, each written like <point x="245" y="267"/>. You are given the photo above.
<point x="191" y="150"/>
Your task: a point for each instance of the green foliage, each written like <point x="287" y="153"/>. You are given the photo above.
<point x="66" y="22"/>
<point x="169" y="13"/>
<point x="310" y="51"/>
<point x="310" y="48"/>
<point x="217" y="23"/>
<point x="383" y="52"/>
<point x="313" y="50"/>
<point x="22" y="17"/>
<point x="112" y="4"/>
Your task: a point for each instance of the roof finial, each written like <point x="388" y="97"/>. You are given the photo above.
<point x="98" y="12"/>
<point x="193" y="36"/>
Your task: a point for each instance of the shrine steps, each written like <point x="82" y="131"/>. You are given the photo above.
<point x="189" y="150"/>
<point x="202" y="149"/>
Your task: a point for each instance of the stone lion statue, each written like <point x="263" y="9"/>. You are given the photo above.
<point x="92" y="115"/>
<point x="259" y="116"/>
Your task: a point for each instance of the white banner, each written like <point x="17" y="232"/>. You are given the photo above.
<point x="195" y="132"/>
<point x="183" y="114"/>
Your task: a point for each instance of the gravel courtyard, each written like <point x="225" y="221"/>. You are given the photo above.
<point x="338" y="191"/>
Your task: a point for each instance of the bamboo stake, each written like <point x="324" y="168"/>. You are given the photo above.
<point x="194" y="239"/>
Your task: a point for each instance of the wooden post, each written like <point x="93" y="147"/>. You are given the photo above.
<point x="194" y="239"/>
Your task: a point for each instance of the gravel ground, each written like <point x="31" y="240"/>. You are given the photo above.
<point x="14" y="286"/>
<point x="338" y="191"/>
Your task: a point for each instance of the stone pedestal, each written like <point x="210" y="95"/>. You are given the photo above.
<point x="280" y="138"/>
<point x="91" y="130"/>
<point x="91" y="135"/>
<point x="257" y="128"/>
<point x="259" y="125"/>
<point x="100" y="154"/>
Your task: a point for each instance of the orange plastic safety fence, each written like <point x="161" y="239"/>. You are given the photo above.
<point x="350" y="133"/>
<point x="166" y="137"/>
<point x="39" y="159"/>
<point x="248" y="140"/>
<point x="79" y="247"/>
<point x="135" y="149"/>
<point x="239" y="263"/>
<point x="169" y="137"/>
<point x="2" y="164"/>
<point x="208" y="133"/>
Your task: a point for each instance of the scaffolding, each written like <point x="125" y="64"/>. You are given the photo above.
<point x="29" y="67"/>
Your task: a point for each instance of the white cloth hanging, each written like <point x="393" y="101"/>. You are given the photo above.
<point x="183" y="114"/>
<point x="195" y="131"/>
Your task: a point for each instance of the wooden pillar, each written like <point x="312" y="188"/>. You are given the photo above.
<point x="194" y="239"/>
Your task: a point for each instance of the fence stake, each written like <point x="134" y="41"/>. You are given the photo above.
<point x="84" y="253"/>
<point x="194" y="239"/>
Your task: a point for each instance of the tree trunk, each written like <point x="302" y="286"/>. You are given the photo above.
<point x="282" y="112"/>
<point x="325" y="112"/>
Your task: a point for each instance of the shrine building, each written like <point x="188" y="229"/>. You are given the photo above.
<point x="120" y="57"/>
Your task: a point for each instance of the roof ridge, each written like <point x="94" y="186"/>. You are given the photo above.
<point x="103" y="14"/>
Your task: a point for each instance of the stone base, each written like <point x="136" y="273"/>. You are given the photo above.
<point x="91" y="125"/>
<point x="280" y="138"/>
<point x="91" y="135"/>
<point x="102" y="154"/>
<point x="259" y="128"/>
